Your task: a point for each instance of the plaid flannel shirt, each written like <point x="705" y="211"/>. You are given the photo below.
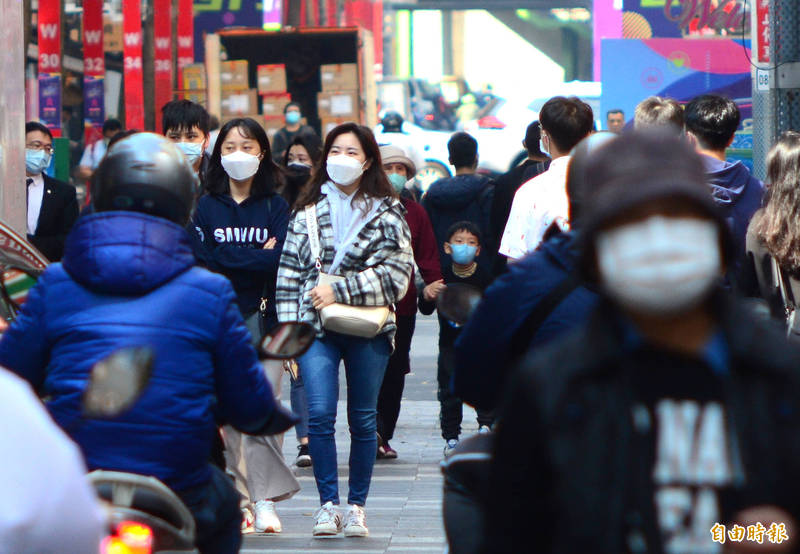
<point x="377" y="268"/>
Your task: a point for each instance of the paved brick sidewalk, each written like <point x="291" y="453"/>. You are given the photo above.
<point x="404" y="504"/>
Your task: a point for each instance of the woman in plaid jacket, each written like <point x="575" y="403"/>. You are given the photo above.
<point x="363" y="237"/>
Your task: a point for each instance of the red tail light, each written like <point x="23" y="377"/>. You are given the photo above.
<point x="490" y="122"/>
<point x="130" y="538"/>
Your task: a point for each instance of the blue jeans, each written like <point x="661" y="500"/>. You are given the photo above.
<point x="299" y="406"/>
<point x="217" y="517"/>
<point x="365" y="363"/>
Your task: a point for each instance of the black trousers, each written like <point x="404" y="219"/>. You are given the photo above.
<point x="450" y="406"/>
<point x="394" y="379"/>
<point x="217" y="517"/>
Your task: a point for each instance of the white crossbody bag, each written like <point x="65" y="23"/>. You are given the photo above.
<point x="358" y="321"/>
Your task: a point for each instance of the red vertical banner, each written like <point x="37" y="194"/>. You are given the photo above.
<point x="94" y="69"/>
<point x="49" y="37"/>
<point x="162" y="37"/>
<point x="132" y="63"/>
<point x="185" y="37"/>
<point x="763" y="29"/>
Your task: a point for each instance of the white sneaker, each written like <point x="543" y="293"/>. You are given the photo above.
<point x="247" y="521"/>
<point x="266" y="519"/>
<point x="483" y="429"/>
<point x="356" y="522"/>
<point x="450" y="447"/>
<point x="329" y="520"/>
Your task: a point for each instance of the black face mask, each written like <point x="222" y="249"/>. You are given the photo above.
<point x="297" y="176"/>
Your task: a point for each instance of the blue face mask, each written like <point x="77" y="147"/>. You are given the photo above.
<point x="292" y="118"/>
<point x="36" y="161"/>
<point x="463" y="254"/>
<point x="398" y="182"/>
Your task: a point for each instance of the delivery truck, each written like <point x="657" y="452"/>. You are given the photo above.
<point x="255" y="73"/>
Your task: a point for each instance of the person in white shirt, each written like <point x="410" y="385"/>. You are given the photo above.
<point x="96" y="151"/>
<point x="46" y="502"/>
<point x="542" y="201"/>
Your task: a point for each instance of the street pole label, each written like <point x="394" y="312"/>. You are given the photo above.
<point x="132" y="68"/>
<point x="762" y="80"/>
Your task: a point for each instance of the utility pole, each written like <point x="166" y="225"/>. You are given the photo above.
<point x="12" y="115"/>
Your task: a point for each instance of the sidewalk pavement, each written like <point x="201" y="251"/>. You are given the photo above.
<point x="404" y="507"/>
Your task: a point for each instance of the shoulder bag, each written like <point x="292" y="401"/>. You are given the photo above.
<point x="358" y="321"/>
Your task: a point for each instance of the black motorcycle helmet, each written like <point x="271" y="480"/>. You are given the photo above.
<point x="146" y="173"/>
<point x="392" y="122"/>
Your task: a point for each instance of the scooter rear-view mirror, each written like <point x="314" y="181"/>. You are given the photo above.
<point x="116" y="382"/>
<point x="457" y="302"/>
<point x="288" y="340"/>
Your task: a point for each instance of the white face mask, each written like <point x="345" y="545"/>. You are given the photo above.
<point x="660" y="266"/>
<point x="542" y="148"/>
<point x="344" y="170"/>
<point x="240" y="165"/>
<point x="192" y="151"/>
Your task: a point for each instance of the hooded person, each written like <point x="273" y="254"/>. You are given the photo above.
<point x="654" y="427"/>
<point x="711" y="124"/>
<point x="465" y="197"/>
<point x="129" y="278"/>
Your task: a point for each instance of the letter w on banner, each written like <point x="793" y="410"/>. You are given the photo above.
<point x="162" y="36"/>
<point x="132" y="68"/>
<point x="185" y="37"/>
<point x="50" y="64"/>
<point x="93" y="70"/>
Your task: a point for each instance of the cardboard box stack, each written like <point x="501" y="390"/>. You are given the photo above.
<point x="194" y="84"/>
<point x="272" y="88"/>
<point x="338" y="102"/>
<point x="238" y="99"/>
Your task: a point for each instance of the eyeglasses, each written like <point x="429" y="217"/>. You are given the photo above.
<point x="48" y="148"/>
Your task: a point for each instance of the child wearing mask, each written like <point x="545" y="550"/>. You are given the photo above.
<point x="186" y="123"/>
<point x="463" y="245"/>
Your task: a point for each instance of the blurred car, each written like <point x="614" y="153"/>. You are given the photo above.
<point x="417" y="100"/>
<point x="500" y="129"/>
<point x="427" y="149"/>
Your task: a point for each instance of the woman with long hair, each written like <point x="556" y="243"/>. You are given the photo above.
<point x="299" y="161"/>
<point x="241" y="225"/>
<point x="301" y="157"/>
<point x="774" y="231"/>
<point x="363" y="238"/>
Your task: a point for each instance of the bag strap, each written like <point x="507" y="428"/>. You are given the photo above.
<point x="522" y="337"/>
<point x="313" y="234"/>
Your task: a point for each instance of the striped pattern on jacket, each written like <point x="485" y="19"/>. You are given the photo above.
<point x="377" y="268"/>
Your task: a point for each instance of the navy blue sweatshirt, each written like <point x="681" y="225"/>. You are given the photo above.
<point x="229" y="239"/>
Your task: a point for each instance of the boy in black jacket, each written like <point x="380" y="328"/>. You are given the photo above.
<point x="463" y="245"/>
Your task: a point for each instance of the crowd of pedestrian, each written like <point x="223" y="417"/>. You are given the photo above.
<point x="628" y="398"/>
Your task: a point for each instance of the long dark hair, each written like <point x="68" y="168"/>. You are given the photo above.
<point x="311" y="142"/>
<point x="374" y="182"/>
<point x="779" y="224"/>
<point x="268" y="176"/>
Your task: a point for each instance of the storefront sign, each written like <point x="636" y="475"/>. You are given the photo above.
<point x="93" y="70"/>
<point x="49" y="36"/>
<point x="162" y="38"/>
<point x="185" y="36"/>
<point x="132" y="64"/>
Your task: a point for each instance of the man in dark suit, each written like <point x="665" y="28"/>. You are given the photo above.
<point x="52" y="206"/>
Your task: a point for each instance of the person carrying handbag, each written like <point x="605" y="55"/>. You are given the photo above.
<point x="346" y="260"/>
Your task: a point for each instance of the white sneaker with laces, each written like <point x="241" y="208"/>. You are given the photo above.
<point x="266" y="519"/>
<point x="356" y="522"/>
<point x="328" y="520"/>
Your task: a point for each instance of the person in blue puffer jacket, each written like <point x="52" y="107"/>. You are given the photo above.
<point x="128" y="278"/>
